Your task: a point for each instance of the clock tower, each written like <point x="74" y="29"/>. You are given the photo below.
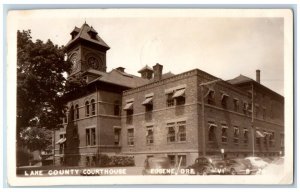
<point x="87" y="51"/>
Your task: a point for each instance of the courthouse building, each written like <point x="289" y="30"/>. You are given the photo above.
<point x="162" y="114"/>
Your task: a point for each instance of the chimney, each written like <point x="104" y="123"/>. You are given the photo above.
<point x="258" y="76"/>
<point x="157" y="72"/>
<point x="121" y="69"/>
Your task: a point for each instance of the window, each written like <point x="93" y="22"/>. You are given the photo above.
<point x="61" y="141"/>
<point x="181" y="131"/>
<point x="257" y="140"/>
<point x="170" y="100"/>
<point x="171" y="133"/>
<point x="180" y="101"/>
<point x="149" y="137"/>
<point x="179" y="96"/>
<point x="264" y="113"/>
<point x="246" y="135"/>
<point x="271" y="139"/>
<point x="224" y="133"/>
<point x="117" y="133"/>
<point x="65" y="118"/>
<point x="93" y="136"/>
<point x="266" y="138"/>
<point x="256" y="111"/>
<point x="271" y="110"/>
<point x="176" y="132"/>
<point x="281" y="140"/>
<point x="149" y="108"/>
<point x="87" y="161"/>
<point x="90" y="135"/>
<point x="71" y="113"/>
<point x="175" y="97"/>
<point x="129" y="112"/>
<point x="224" y="100"/>
<point x="148" y="103"/>
<point x="129" y="118"/>
<point x="76" y="112"/>
<point x="93" y="107"/>
<point x="245" y="108"/>
<point x="172" y="159"/>
<point x="116" y="108"/>
<point x="211" y="97"/>
<point x="87" y="108"/>
<point x="183" y="160"/>
<point x="94" y="160"/>
<point x="212" y="132"/>
<point x="249" y="108"/>
<point x="236" y="133"/>
<point x="61" y="148"/>
<point x="130" y="137"/>
<point x="235" y="104"/>
<point x="258" y="136"/>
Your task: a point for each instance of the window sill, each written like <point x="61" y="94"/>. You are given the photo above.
<point x="176" y="142"/>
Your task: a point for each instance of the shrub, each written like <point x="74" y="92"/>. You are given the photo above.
<point x="114" y="161"/>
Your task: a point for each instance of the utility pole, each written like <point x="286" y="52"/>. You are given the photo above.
<point x="203" y="114"/>
<point x="252" y="121"/>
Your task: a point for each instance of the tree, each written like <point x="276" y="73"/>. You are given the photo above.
<point x="41" y="84"/>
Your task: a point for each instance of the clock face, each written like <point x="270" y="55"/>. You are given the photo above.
<point x="74" y="62"/>
<point x="93" y="62"/>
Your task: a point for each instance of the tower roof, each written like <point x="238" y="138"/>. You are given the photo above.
<point x="83" y="34"/>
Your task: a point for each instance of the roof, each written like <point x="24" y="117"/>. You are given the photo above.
<point x="167" y="75"/>
<point x="121" y="78"/>
<point x="164" y="76"/>
<point x="243" y="79"/>
<point x="240" y="79"/>
<point x="83" y="35"/>
<point x="76" y="29"/>
<point x="145" y="68"/>
<point x="92" y="30"/>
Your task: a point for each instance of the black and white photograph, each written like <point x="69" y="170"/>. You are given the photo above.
<point x="150" y="96"/>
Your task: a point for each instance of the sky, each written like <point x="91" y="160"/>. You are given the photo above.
<point x="224" y="46"/>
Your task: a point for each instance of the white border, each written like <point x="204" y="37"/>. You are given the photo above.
<point x="12" y="22"/>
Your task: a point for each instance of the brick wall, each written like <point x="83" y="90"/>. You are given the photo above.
<point x="104" y="121"/>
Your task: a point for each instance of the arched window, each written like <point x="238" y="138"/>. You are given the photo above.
<point x="71" y="113"/>
<point x="76" y="111"/>
<point x="87" y="108"/>
<point x="212" y="132"/>
<point x="211" y="97"/>
<point x="93" y="107"/>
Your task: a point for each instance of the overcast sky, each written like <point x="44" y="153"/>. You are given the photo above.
<point x="222" y="46"/>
